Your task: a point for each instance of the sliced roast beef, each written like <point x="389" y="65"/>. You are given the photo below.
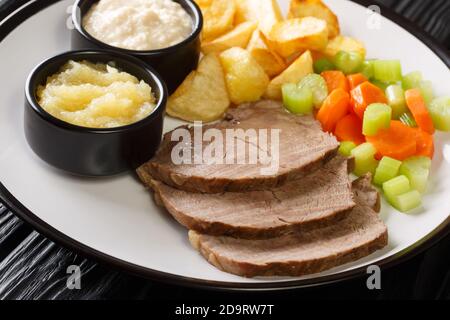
<point x="303" y="148"/>
<point x="359" y="234"/>
<point x="318" y="199"/>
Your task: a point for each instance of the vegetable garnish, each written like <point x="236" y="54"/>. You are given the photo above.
<point x="425" y="143"/>
<point x="412" y="80"/>
<point x="346" y="148"/>
<point x="440" y="113"/>
<point x="297" y="100"/>
<point x="398" y="142"/>
<point x="396" y="186"/>
<point x="364" y="95"/>
<point x="322" y="65"/>
<point x="377" y="113"/>
<point x="356" y="79"/>
<point x="387" y="169"/>
<point x="365" y="161"/>
<point x="417" y="170"/>
<point x="348" y="62"/>
<point x="387" y="70"/>
<point x="335" y="80"/>
<point x="396" y="99"/>
<point x="317" y="85"/>
<point x="367" y="69"/>
<point x="349" y="128"/>
<point x="376" y="117"/>
<point x="418" y="108"/>
<point x="334" y="108"/>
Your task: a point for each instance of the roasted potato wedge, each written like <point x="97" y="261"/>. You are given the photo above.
<point x="271" y="62"/>
<point x="243" y="12"/>
<point x="342" y="43"/>
<point x="203" y="3"/>
<point x="245" y="78"/>
<point x="269" y="15"/>
<point x="296" y="35"/>
<point x="218" y="18"/>
<point x="265" y="12"/>
<point x="317" y="9"/>
<point x="238" y="37"/>
<point x="293" y="74"/>
<point x="203" y="94"/>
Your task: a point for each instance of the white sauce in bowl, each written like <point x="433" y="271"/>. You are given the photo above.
<point x="138" y="24"/>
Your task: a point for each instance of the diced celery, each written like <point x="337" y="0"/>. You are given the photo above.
<point x="346" y="148"/>
<point x="396" y="186"/>
<point x="382" y="85"/>
<point x="387" y="169"/>
<point x="408" y="120"/>
<point x="396" y="99"/>
<point x="318" y="86"/>
<point x="298" y="101"/>
<point x="364" y="159"/>
<point x="367" y="69"/>
<point x="412" y="80"/>
<point x="420" y="161"/>
<point x="407" y="201"/>
<point x="439" y="109"/>
<point x="377" y="116"/>
<point x="363" y="167"/>
<point x="416" y="173"/>
<point x="348" y="62"/>
<point x="322" y="65"/>
<point x="387" y="70"/>
<point x="426" y="87"/>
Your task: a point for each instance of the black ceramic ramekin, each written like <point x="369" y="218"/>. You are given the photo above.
<point x="86" y="151"/>
<point x="173" y="63"/>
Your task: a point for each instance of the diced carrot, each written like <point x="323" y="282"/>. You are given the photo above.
<point x="349" y="128"/>
<point x="398" y="142"/>
<point x="425" y="143"/>
<point x="334" y="108"/>
<point x="364" y="95"/>
<point x="335" y="80"/>
<point x="416" y="104"/>
<point x="355" y="80"/>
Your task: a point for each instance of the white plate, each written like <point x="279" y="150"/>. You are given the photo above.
<point x="115" y="220"/>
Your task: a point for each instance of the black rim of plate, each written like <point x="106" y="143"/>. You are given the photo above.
<point x="25" y="9"/>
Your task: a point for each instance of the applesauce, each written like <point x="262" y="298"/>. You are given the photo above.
<point x="96" y="96"/>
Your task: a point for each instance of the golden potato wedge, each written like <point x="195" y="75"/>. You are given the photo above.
<point x="265" y="12"/>
<point x="203" y="3"/>
<point x="238" y="37"/>
<point x="245" y="78"/>
<point x="271" y="62"/>
<point x="293" y="74"/>
<point x="296" y="35"/>
<point x="317" y="9"/>
<point x="269" y="15"/>
<point x="185" y="86"/>
<point x="342" y="43"/>
<point x="218" y="18"/>
<point x="203" y="94"/>
<point x="243" y="12"/>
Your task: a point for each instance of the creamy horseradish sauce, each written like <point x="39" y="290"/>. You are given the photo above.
<point x="138" y="24"/>
<point x="96" y="96"/>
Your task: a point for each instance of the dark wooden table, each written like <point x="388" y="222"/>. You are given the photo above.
<point x="33" y="267"/>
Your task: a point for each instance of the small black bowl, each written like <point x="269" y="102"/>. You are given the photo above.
<point x="86" y="151"/>
<point x="172" y="63"/>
